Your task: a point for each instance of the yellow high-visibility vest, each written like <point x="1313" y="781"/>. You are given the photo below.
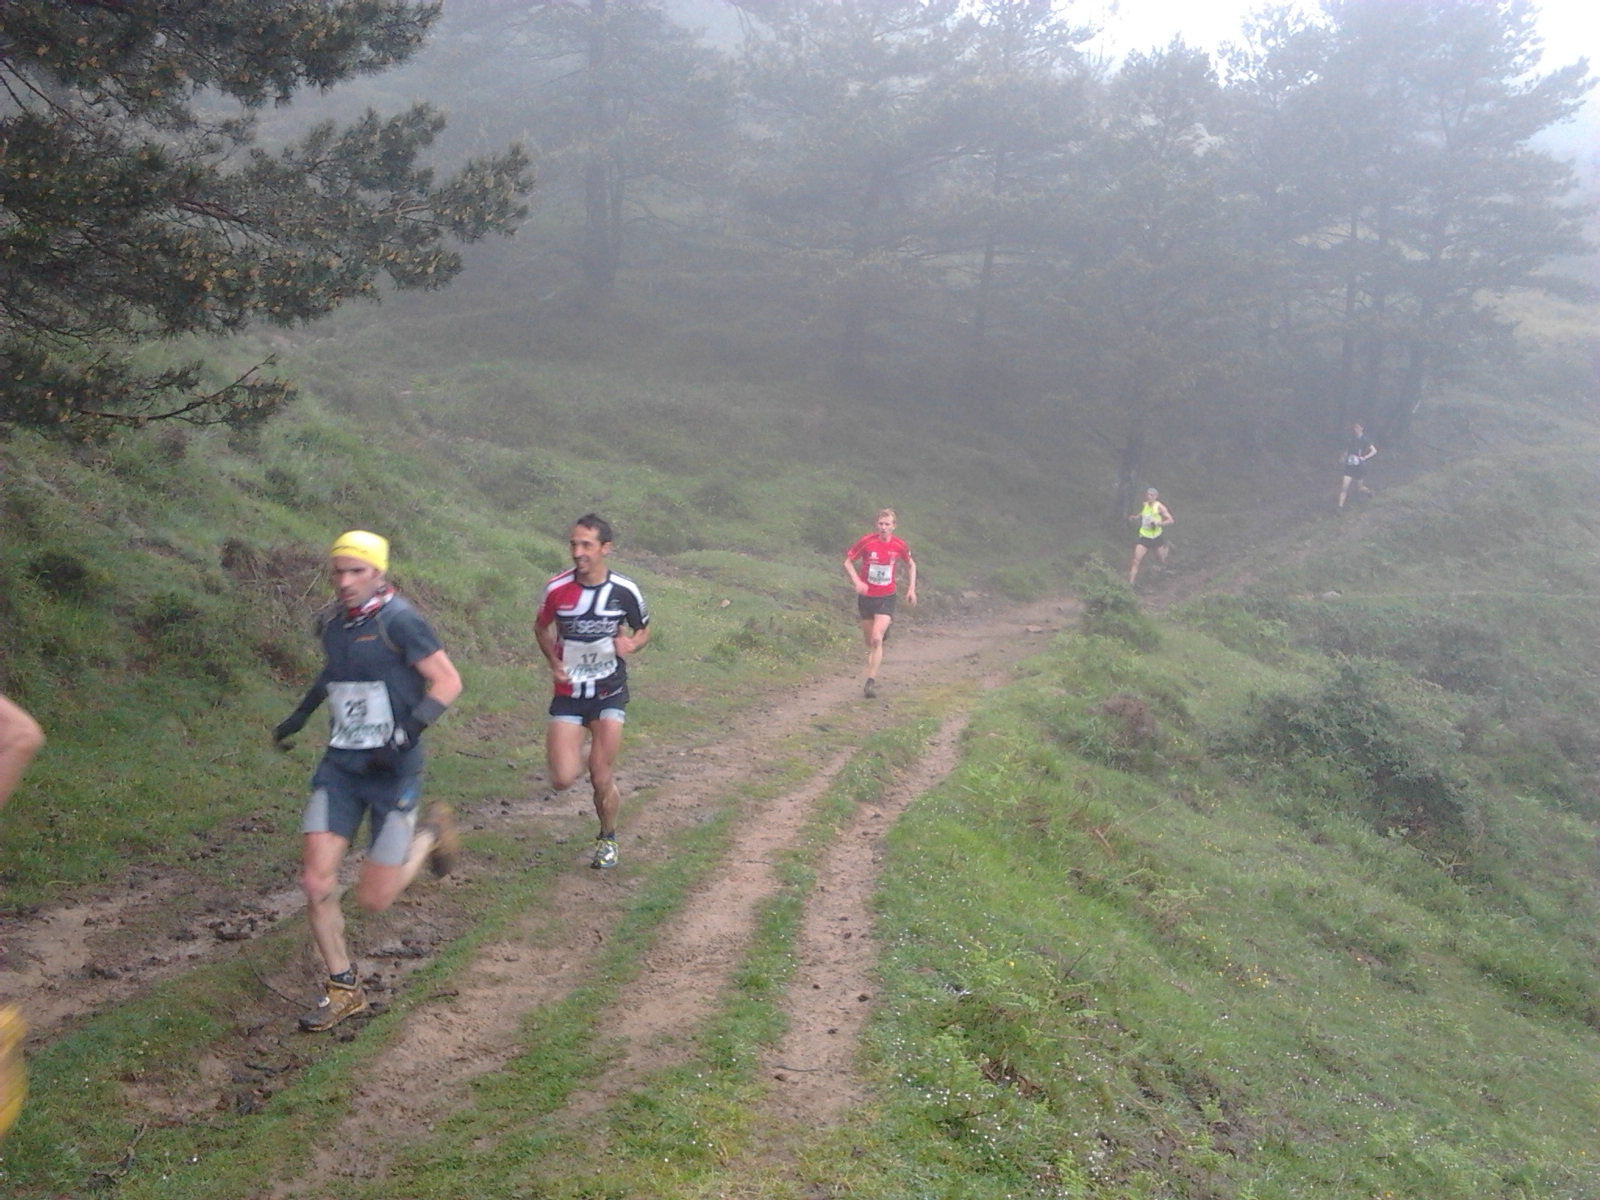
<point x="1150" y="520"/>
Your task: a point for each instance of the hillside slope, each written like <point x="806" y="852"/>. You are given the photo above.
<point x="1289" y="893"/>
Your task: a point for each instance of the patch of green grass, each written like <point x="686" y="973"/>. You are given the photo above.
<point x="1114" y="981"/>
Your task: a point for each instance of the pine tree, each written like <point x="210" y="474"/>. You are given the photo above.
<point x="1397" y="176"/>
<point x="136" y="206"/>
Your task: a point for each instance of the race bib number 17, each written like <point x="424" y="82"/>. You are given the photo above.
<point x="584" y="661"/>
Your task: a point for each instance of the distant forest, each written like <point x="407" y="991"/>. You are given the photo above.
<point x="1310" y="231"/>
<point x="951" y="201"/>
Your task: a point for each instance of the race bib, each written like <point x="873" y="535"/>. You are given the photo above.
<point x="361" y="716"/>
<point x="1352" y="460"/>
<point x="879" y="574"/>
<point x="584" y="661"/>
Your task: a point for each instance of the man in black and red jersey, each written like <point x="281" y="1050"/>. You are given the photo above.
<point x="879" y="554"/>
<point x="580" y="628"/>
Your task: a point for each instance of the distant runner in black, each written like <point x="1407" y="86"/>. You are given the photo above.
<point x="386" y="679"/>
<point x="1353" y="463"/>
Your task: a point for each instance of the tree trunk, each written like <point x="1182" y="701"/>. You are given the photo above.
<point x="1347" y="342"/>
<point x="1408" y="393"/>
<point x="853" y="335"/>
<point x="972" y="377"/>
<point x="601" y="193"/>
<point x="1128" y="469"/>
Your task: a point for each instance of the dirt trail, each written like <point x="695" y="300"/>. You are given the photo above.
<point x="449" y="1040"/>
<point x="85" y="956"/>
<point x="829" y="999"/>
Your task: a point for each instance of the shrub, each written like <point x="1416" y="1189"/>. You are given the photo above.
<point x="663" y="526"/>
<point x="1463" y="652"/>
<point x="779" y="638"/>
<point x="720" y="500"/>
<point x="828" y="529"/>
<point x="63" y="575"/>
<point x="1232" y="623"/>
<point x="1119" y="732"/>
<point x="1348" y="724"/>
<point x="1110" y="609"/>
<point x="1539" y="974"/>
<point x="193" y="640"/>
<point x="1021" y="583"/>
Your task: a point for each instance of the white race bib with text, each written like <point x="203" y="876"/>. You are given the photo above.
<point x="585" y="661"/>
<point x="361" y="715"/>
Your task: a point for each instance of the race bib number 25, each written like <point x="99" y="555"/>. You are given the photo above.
<point x="361" y="715"/>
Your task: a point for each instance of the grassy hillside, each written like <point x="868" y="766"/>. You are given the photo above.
<point x="156" y="590"/>
<point x="1288" y="894"/>
<point x="1285" y="895"/>
<point x="1297" y="901"/>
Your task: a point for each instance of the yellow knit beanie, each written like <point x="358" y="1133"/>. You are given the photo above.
<point x="368" y="547"/>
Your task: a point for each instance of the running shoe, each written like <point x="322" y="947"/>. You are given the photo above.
<point x="13" y="1075"/>
<point x="342" y="1000"/>
<point x="605" y="853"/>
<point x="870" y="690"/>
<point x="441" y="822"/>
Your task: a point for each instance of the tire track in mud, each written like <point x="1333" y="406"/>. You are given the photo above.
<point x="828" y="1001"/>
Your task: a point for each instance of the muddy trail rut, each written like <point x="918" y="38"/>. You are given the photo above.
<point x="64" y="964"/>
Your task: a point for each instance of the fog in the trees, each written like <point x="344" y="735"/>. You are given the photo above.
<point x="954" y="206"/>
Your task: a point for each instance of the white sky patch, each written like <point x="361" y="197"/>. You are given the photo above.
<point x="1570" y="29"/>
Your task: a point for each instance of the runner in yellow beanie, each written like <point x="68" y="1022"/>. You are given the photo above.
<point x="386" y="679"/>
<point x="368" y="547"/>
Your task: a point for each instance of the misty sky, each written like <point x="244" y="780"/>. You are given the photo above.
<point x="1570" y="28"/>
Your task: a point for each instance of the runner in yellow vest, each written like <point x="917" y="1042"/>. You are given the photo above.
<point x="1153" y="520"/>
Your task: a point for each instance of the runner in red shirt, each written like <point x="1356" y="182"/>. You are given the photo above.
<point x="591" y="619"/>
<point x="880" y="554"/>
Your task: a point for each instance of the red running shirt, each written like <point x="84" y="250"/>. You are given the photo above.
<point x="880" y="559"/>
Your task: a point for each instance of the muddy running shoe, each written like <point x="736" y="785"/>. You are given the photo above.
<point x="13" y="1075"/>
<point x="441" y="822"/>
<point x="870" y="689"/>
<point x="605" y="853"/>
<point x="342" y="1000"/>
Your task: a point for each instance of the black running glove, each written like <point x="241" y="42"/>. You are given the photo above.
<point x="286" y="729"/>
<point x="385" y="759"/>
